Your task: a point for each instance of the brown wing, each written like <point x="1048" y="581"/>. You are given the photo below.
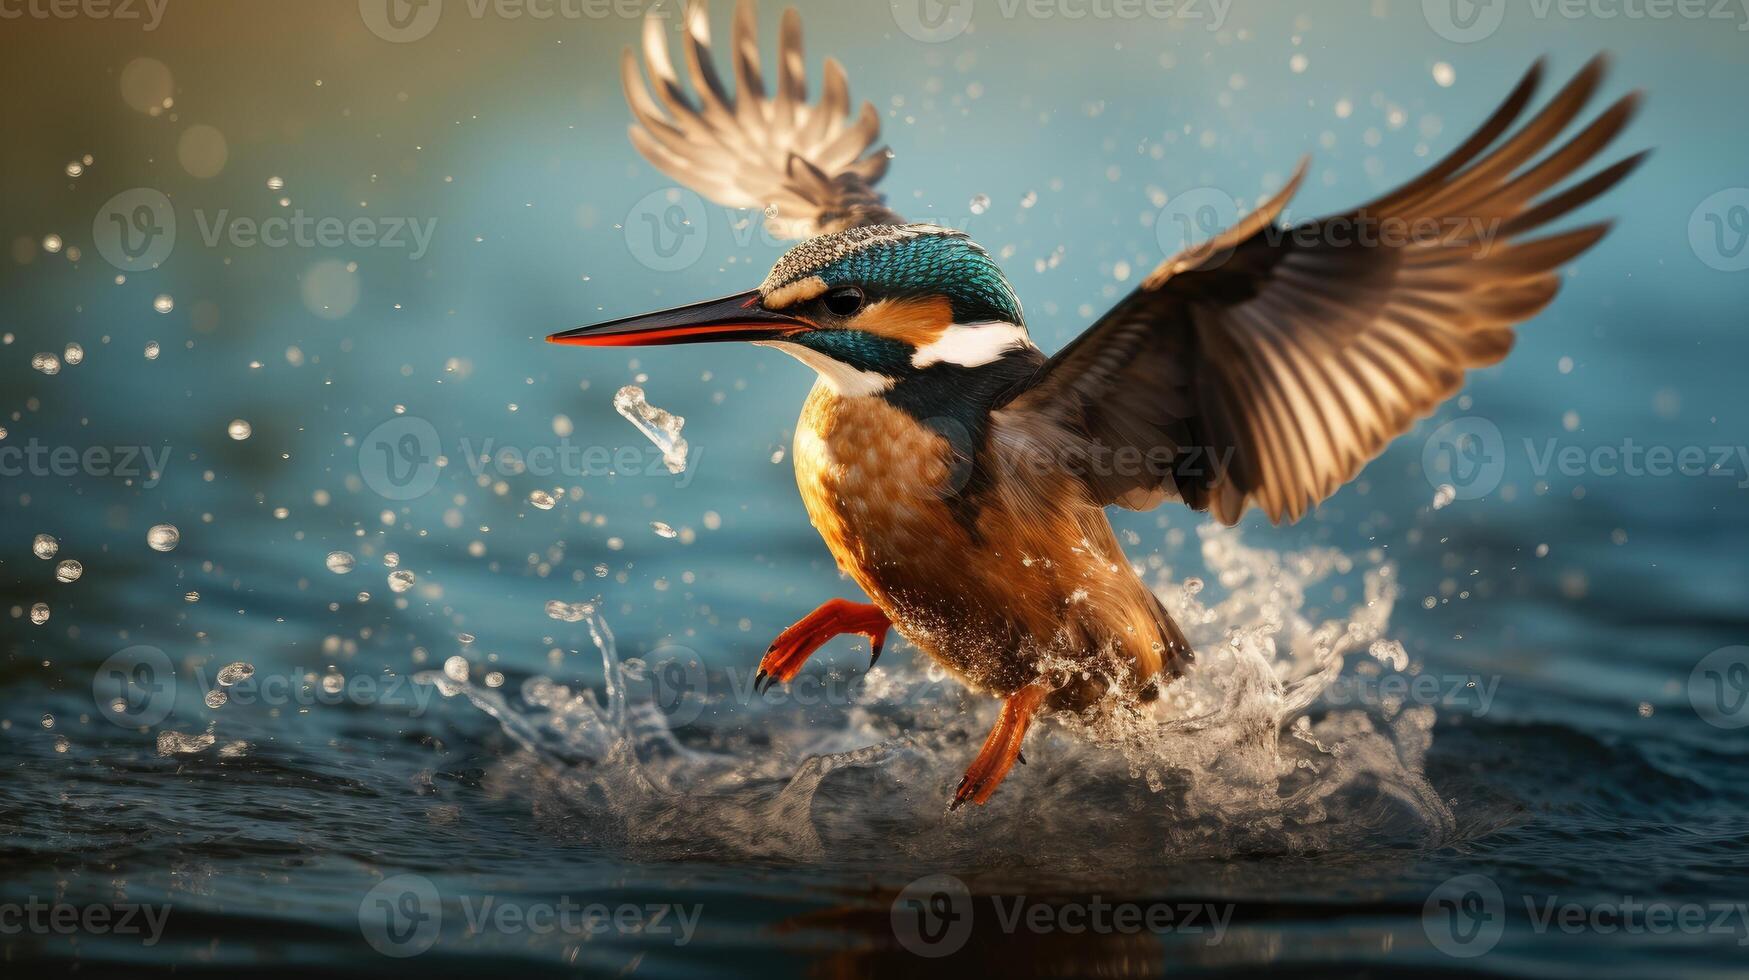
<point x="1269" y="365"/>
<point x="751" y="150"/>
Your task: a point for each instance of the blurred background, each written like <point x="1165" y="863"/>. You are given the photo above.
<point x="277" y="276"/>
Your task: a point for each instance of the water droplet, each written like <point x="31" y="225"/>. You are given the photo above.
<point x="771" y="210"/>
<point x="191" y="597"/>
<point x="39" y="613"/>
<point x="239" y="429"/>
<point x="235" y="673"/>
<point x="163" y="537"/>
<point x="494" y="679"/>
<point x="69" y="571"/>
<point x="1444" y="74"/>
<point x="980" y="203"/>
<point x="52" y="243"/>
<point x="568" y="612"/>
<point x="46" y="363"/>
<point x="276" y="183"/>
<point x="663" y="529"/>
<point x="541" y="499"/>
<point x="1443" y="496"/>
<point x="464" y="638"/>
<point x="659" y="426"/>
<point x="151" y="350"/>
<point x="164" y="304"/>
<point x="75" y="168"/>
<point x="74" y="354"/>
<point x="216" y="698"/>
<point x="333" y="683"/>
<point x="400" y="580"/>
<point x="45" y="546"/>
<point x="177" y="743"/>
<point x="391" y="560"/>
<point x="456" y="668"/>
<point x="340" y="562"/>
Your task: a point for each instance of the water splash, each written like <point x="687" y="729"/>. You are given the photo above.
<point x="1239" y="756"/>
<point x="660" y="426"/>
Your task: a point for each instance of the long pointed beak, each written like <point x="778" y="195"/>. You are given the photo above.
<point x="738" y="317"/>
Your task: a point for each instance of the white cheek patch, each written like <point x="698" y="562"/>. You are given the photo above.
<point x="971" y="344"/>
<point x="844" y="380"/>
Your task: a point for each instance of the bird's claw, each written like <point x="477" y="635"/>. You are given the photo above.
<point x="783" y="660"/>
<point x="1001" y="749"/>
<point x="967" y="790"/>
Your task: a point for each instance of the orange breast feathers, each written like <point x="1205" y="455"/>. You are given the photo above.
<point x="872" y="479"/>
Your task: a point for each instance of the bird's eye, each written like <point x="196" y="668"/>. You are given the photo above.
<point x="844" y="301"/>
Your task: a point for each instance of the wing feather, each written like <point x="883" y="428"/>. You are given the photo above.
<point x="1270" y="364"/>
<point x="749" y="150"/>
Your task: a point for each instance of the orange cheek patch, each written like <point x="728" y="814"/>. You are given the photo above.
<point x="918" y="322"/>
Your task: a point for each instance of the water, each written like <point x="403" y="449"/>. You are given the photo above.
<point x="1407" y="721"/>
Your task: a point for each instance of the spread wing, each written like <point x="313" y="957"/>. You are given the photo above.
<point x="751" y="150"/>
<point x="1270" y="364"/>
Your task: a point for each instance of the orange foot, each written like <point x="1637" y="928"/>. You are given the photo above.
<point x="1002" y="749"/>
<point x="792" y="648"/>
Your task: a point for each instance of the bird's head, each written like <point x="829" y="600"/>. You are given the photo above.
<point x="868" y="308"/>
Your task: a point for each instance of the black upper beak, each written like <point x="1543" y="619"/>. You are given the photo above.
<point x="739" y="317"/>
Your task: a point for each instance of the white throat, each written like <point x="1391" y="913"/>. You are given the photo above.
<point x="844" y="380"/>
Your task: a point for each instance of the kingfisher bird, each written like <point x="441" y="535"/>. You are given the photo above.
<point x="960" y="476"/>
